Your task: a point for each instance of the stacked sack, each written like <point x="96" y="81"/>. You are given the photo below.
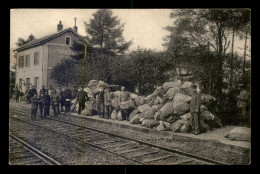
<point x="167" y="108"/>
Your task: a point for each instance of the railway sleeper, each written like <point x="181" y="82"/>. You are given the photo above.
<point x="21" y="156"/>
<point x="118" y="145"/>
<point x="29" y="162"/>
<point x="112" y="141"/>
<point x="145" y="153"/>
<point x="133" y="149"/>
<point x="157" y="159"/>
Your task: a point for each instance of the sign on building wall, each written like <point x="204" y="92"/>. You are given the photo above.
<point x="57" y="53"/>
<point x="66" y="52"/>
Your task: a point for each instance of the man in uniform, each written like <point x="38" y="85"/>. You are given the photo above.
<point x="55" y="100"/>
<point x="47" y="102"/>
<point x="124" y="96"/>
<point x="62" y="101"/>
<point x="74" y="92"/>
<point x="41" y="103"/>
<point x="82" y="97"/>
<point x="242" y="105"/>
<point x="50" y="91"/>
<point x="100" y="102"/>
<point x="43" y="90"/>
<point x="67" y="96"/>
<point x="32" y="92"/>
<point x="108" y="104"/>
<point x="17" y="94"/>
<point x="34" y="106"/>
<point x="195" y="109"/>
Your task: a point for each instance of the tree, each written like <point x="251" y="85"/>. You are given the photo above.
<point x="105" y="35"/>
<point x="22" y="42"/>
<point x="198" y="29"/>
<point x="65" y="72"/>
<point x="238" y="22"/>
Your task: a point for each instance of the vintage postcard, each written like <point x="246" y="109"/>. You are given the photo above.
<point x="130" y="87"/>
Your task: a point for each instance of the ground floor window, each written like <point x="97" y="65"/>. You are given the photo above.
<point x="27" y="82"/>
<point x="20" y="84"/>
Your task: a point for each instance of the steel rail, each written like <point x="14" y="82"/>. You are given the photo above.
<point x="36" y="152"/>
<point x="78" y="140"/>
<point x="185" y="154"/>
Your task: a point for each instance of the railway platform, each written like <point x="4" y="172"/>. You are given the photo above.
<point x="211" y="145"/>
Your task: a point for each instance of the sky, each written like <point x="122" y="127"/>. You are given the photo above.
<point x="143" y="26"/>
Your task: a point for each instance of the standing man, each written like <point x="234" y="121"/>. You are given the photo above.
<point x="50" y="91"/>
<point x="74" y="92"/>
<point x="17" y="94"/>
<point x="62" y="101"/>
<point x="82" y="97"/>
<point x="43" y="90"/>
<point x="55" y="100"/>
<point x="195" y="109"/>
<point x="34" y="106"/>
<point x="41" y="103"/>
<point x="67" y="96"/>
<point x="100" y="102"/>
<point x="32" y="92"/>
<point x="124" y="96"/>
<point x="242" y="105"/>
<point x="47" y="103"/>
<point x="108" y="104"/>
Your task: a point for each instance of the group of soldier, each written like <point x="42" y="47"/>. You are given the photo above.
<point x="57" y="98"/>
<point x="104" y="102"/>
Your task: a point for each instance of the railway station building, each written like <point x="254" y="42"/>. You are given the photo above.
<point x="36" y="59"/>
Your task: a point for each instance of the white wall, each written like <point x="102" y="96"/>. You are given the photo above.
<point x="32" y="71"/>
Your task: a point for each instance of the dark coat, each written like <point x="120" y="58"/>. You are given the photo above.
<point x="32" y="92"/>
<point x="34" y="102"/>
<point x="67" y="94"/>
<point x="17" y="92"/>
<point x="40" y="101"/>
<point x="195" y="102"/>
<point x="47" y="100"/>
<point x="42" y="91"/>
<point x="82" y="97"/>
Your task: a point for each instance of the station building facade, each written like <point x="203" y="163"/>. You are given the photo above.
<point x="36" y="59"/>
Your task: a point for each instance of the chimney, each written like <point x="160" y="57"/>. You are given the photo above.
<point x="59" y="27"/>
<point x="31" y="37"/>
<point x="75" y="27"/>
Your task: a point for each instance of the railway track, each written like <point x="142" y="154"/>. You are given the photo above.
<point x="22" y="153"/>
<point x="129" y="148"/>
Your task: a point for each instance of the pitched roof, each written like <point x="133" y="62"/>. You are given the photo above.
<point x="45" y="39"/>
